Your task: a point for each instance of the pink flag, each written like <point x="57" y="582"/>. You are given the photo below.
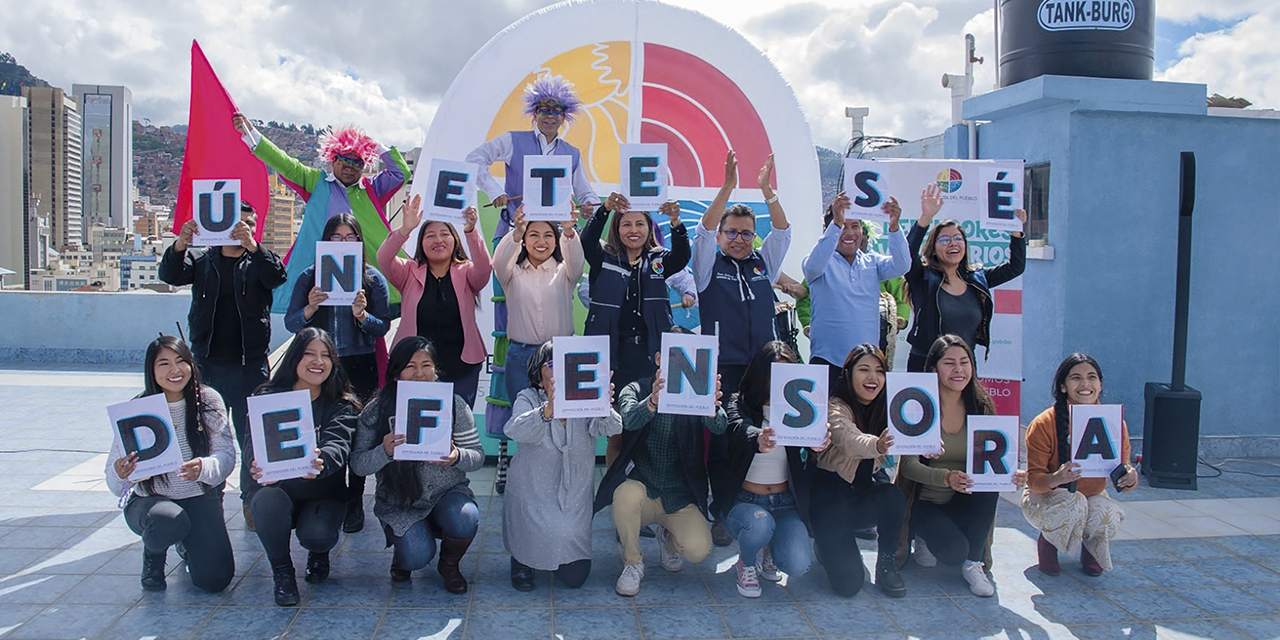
<point x="214" y="147"/>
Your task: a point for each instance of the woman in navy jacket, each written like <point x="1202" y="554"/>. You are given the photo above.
<point x="950" y="295"/>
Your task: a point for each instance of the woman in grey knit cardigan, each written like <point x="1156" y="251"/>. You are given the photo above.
<point x="418" y="502"/>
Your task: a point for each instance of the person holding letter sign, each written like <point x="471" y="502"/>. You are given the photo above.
<point x="770" y="515"/>
<point x="182" y="508"/>
<point x="315" y="504"/>
<point x="230" y="318"/>
<point x="356" y="335"/>
<point x="844" y="283"/>
<point x="954" y="522"/>
<point x="949" y="295"/>
<point x="628" y="282"/>
<point x="538" y="266"/>
<point x="546" y="516"/>
<point x="1070" y="511"/>
<point x="659" y="478"/>
<point x="850" y="491"/>
<point x="419" y="501"/>
<point x="441" y="287"/>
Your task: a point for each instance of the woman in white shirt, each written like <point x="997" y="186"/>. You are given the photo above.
<point x="182" y="508"/>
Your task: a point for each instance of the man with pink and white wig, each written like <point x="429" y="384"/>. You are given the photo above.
<point x="342" y="189"/>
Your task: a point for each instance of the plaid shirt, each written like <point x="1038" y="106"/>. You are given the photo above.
<point x="657" y="459"/>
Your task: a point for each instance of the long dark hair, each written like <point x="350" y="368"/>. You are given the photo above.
<point x="871" y="418"/>
<point x="337" y="387"/>
<point x="613" y="241"/>
<point x="1061" y="408"/>
<point x="976" y="399"/>
<point x="753" y="392"/>
<point x="401" y="477"/>
<point x="459" y="254"/>
<point x="198" y="437"/>
<point x="331" y="226"/>
<point x="556" y="254"/>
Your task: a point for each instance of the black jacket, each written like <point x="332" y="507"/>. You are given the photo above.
<point x="743" y="437"/>
<point x="611" y="274"/>
<point x="255" y="275"/>
<point x="689" y="440"/>
<point x="924" y="283"/>
<point x="335" y="431"/>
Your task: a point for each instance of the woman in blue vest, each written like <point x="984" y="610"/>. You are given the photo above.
<point x="949" y="295"/>
<point x="628" y="283"/>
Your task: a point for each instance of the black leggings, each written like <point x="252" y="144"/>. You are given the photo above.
<point x="276" y="513"/>
<point x="837" y="511"/>
<point x="958" y="530"/>
<point x="195" y="522"/>
<point x="571" y="574"/>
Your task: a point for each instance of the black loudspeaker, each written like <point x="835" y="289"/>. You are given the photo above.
<point x="1171" y="436"/>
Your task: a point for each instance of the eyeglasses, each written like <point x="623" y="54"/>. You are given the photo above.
<point x="350" y="161"/>
<point x="947" y="240"/>
<point x="549" y="111"/>
<point x="350" y="237"/>
<point x="548" y="367"/>
<point x="747" y="236"/>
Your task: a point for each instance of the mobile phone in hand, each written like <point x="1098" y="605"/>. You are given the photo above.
<point x="1117" y="473"/>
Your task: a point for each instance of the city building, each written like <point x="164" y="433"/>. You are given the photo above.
<point x="280" y="230"/>
<point x="15" y="226"/>
<point x="54" y="131"/>
<point x="106" y="114"/>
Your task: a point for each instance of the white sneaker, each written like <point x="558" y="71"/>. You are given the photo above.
<point x="629" y="582"/>
<point x="977" y="579"/>
<point x="767" y="569"/>
<point x="671" y="560"/>
<point x="748" y="584"/>
<point x="922" y="555"/>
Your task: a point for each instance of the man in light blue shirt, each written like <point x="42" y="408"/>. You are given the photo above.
<point x="844" y="283"/>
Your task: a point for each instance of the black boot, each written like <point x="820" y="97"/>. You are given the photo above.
<point x="317" y="566"/>
<point x="286" y="589"/>
<point x="153" y="571"/>
<point x="521" y="576"/>
<point x="451" y="551"/>
<point x="353" y="522"/>
<point x="887" y="577"/>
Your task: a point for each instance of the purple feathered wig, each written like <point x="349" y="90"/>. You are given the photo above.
<point x="551" y="91"/>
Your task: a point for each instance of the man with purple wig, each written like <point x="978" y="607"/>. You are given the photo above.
<point x="549" y="101"/>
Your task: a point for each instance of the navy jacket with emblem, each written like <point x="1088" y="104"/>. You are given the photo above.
<point x="611" y="274"/>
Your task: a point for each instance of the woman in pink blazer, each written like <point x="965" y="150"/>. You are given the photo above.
<point x="439" y="290"/>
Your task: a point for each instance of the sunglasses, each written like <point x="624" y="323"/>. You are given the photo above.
<point x="549" y="111"/>
<point x="350" y="161"/>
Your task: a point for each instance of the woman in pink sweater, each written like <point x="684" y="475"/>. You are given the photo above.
<point x="440" y="288"/>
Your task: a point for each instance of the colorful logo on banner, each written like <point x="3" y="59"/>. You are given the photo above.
<point x="685" y="103"/>
<point x="950" y="181"/>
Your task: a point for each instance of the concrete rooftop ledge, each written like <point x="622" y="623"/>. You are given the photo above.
<point x="1089" y="94"/>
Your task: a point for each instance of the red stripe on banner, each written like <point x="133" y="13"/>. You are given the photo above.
<point x="1008" y="300"/>
<point x="1007" y="395"/>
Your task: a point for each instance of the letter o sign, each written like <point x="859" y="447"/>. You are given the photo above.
<point x="900" y="420"/>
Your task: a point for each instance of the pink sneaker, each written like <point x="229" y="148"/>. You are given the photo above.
<point x="748" y="584"/>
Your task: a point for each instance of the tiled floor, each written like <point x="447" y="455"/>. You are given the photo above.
<point x="1202" y="564"/>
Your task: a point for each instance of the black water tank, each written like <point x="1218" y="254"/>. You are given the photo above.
<point x="1094" y="38"/>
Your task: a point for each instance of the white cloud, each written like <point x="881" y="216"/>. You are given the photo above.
<point x="387" y="65"/>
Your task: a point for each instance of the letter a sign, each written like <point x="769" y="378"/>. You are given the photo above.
<point x="1095" y="438"/>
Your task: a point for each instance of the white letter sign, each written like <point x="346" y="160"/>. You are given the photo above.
<point x="548" y="188"/>
<point x="798" y="404"/>
<point x="580" y="366"/>
<point x="866" y="182"/>
<point x="993" y="452"/>
<point x="283" y="434"/>
<point x="424" y="416"/>
<point x="999" y="194"/>
<point x="644" y="175"/>
<point x="1095" y="438"/>
<point x="689" y="368"/>
<point x="450" y="189"/>
<point x="144" y="427"/>
<point x="914" y="418"/>
<point x="339" y="271"/>
<point x="217" y="210"/>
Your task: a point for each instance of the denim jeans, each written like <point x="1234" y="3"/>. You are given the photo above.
<point x="454" y="516"/>
<point x="773" y="520"/>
